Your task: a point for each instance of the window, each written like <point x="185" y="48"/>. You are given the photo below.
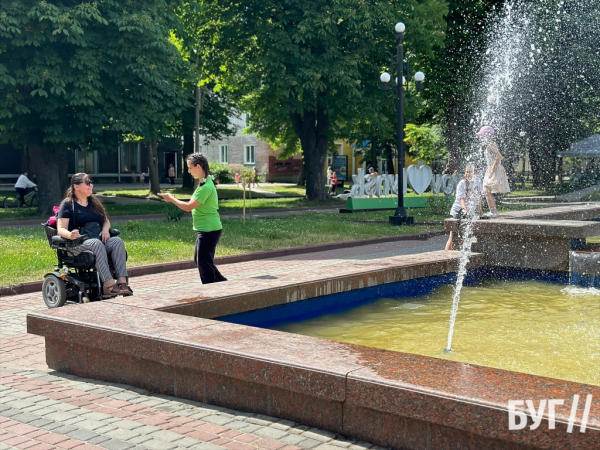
<point x="223" y="154"/>
<point x="130" y="152"/>
<point x="85" y="161"/>
<point x="249" y="154"/>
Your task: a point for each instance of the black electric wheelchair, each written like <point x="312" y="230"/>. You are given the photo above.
<point x="75" y="277"/>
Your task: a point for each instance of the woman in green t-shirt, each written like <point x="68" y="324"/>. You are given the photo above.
<point x="204" y="206"/>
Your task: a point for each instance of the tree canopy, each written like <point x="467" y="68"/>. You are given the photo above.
<point x="76" y="74"/>
<point x="307" y="66"/>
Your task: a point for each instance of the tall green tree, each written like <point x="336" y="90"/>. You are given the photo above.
<point x="217" y="102"/>
<point x="454" y="70"/>
<point x="307" y="65"/>
<point x="75" y="74"/>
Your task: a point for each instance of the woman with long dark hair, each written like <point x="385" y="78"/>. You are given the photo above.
<point x="204" y="206"/>
<point x="79" y="208"/>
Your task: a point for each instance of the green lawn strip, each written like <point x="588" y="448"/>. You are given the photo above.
<point x="225" y="191"/>
<point x="113" y="208"/>
<point x="26" y="255"/>
<point x="529" y="193"/>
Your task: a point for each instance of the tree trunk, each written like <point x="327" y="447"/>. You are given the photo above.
<point x="312" y="130"/>
<point x="188" y="148"/>
<point x="301" y="175"/>
<point x="374" y="154"/>
<point x="47" y="165"/>
<point x="543" y="166"/>
<point x="153" y="166"/>
<point x="389" y="157"/>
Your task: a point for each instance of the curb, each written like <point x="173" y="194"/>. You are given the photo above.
<point x="36" y="286"/>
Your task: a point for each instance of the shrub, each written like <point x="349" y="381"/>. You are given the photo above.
<point x="440" y="204"/>
<point x="221" y="173"/>
<point x="173" y="213"/>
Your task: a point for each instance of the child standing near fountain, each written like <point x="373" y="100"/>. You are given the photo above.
<point x="495" y="180"/>
<point x="468" y="197"/>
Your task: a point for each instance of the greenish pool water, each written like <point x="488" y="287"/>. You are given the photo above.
<point x="532" y="327"/>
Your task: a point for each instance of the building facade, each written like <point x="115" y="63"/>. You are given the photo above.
<point x="249" y="151"/>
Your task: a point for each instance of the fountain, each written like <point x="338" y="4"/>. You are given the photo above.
<point x="519" y="72"/>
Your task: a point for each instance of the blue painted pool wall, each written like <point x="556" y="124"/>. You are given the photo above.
<point x="307" y="309"/>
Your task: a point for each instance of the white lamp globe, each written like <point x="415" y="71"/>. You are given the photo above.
<point x="399" y="27"/>
<point x="385" y="77"/>
<point x="419" y="76"/>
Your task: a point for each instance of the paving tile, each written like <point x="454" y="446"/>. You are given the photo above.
<point x="319" y="435"/>
<point x="157" y="444"/>
<point x="308" y="443"/>
<point x="167" y="436"/>
<point x="92" y="414"/>
<point x="270" y="433"/>
<point x="116" y="444"/>
<point x="219" y="420"/>
<point x="292" y="439"/>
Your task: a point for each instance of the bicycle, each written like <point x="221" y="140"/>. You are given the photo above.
<point x="31" y="199"/>
<point x="10" y="201"/>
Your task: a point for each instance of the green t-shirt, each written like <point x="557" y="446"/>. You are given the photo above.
<point x="206" y="215"/>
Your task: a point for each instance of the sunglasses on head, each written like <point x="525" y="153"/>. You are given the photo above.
<point x="87" y="182"/>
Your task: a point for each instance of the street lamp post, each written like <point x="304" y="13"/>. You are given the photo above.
<point x="400" y="217"/>
<point x="197" y="122"/>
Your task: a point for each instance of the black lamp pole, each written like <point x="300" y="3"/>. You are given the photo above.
<point x="400" y="217"/>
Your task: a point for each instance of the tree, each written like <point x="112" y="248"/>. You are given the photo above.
<point x="425" y="142"/>
<point x="454" y="70"/>
<point x="78" y="74"/>
<point x="305" y="65"/>
<point x="217" y="102"/>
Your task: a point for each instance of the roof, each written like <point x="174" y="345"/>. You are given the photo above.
<point x="588" y="148"/>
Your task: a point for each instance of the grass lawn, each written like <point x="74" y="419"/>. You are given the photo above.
<point x="226" y="191"/>
<point x="26" y="255"/>
<point x="114" y="208"/>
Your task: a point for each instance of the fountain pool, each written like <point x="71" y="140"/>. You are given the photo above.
<point x="531" y="326"/>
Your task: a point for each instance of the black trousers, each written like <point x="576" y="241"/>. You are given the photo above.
<point x="204" y="256"/>
<point x="22" y="193"/>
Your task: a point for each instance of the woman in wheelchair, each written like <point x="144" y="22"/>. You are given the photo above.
<point x="82" y="213"/>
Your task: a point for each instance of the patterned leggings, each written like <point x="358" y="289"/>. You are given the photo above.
<point x="116" y="249"/>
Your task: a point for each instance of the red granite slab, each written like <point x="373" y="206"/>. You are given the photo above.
<point x="467" y="397"/>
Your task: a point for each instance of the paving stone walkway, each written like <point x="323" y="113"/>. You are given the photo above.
<point x="41" y="409"/>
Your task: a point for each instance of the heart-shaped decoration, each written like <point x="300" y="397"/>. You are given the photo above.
<point x="419" y="178"/>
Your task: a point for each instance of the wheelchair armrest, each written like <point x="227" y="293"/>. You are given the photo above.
<point x="61" y="242"/>
<point x="114" y="232"/>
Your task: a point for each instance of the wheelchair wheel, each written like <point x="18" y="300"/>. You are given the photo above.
<point x="54" y="291"/>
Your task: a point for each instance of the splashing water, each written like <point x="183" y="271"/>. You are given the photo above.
<point x="465" y="253"/>
<point x="539" y="90"/>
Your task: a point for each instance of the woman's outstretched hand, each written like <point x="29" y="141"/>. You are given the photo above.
<point x="167" y="196"/>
